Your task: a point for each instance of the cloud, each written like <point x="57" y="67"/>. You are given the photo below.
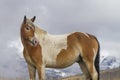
<point x="87" y="16"/>
<point x="17" y="45"/>
<point x="110" y="48"/>
<point x="98" y="17"/>
<point x="11" y="59"/>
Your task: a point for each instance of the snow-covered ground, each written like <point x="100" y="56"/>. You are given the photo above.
<point x="110" y="62"/>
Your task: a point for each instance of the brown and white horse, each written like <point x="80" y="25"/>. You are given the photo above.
<point x="42" y="49"/>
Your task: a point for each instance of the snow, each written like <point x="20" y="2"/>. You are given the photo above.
<point x="110" y="62"/>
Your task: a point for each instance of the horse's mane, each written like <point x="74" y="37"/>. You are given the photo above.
<point x="40" y="31"/>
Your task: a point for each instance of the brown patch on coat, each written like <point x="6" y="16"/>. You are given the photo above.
<point x="87" y="45"/>
<point x="76" y="41"/>
<point x="69" y="55"/>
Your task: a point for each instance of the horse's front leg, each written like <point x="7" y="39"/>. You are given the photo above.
<point x="32" y="71"/>
<point x="41" y="71"/>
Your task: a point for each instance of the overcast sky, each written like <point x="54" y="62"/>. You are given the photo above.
<point x="98" y="17"/>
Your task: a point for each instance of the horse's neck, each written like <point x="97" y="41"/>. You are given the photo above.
<point x="55" y="38"/>
<point x="54" y="41"/>
<point x="46" y="39"/>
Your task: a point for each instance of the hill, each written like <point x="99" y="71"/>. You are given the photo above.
<point x="111" y="74"/>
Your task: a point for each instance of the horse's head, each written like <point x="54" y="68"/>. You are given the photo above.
<point x="28" y="31"/>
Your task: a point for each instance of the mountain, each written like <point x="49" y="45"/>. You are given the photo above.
<point x="110" y="62"/>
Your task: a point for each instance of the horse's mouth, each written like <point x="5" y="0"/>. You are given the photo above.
<point x="33" y="41"/>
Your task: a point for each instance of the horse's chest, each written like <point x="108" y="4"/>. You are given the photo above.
<point x="29" y="60"/>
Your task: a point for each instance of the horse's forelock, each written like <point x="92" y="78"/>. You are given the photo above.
<point x="29" y="23"/>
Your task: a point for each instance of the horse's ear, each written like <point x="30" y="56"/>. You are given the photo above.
<point x="24" y="19"/>
<point x="33" y="19"/>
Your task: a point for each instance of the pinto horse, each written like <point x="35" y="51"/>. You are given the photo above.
<point x="42" y="49"/>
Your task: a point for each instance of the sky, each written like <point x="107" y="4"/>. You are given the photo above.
<point x="98" y="17"/>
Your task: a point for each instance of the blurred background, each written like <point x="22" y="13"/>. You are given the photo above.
<point x="98" y="17"/>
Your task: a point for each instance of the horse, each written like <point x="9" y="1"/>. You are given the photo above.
<point x="43" y="50"/>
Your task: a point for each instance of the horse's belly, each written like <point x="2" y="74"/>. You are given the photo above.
<point x="67" y="58"/>
<point x="65" y="62"/>
<point x="50" y="63"/>
<point x="59" y="66"/>
<point x="52" y="49"/>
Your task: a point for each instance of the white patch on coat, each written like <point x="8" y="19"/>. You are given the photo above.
<point x="85" y="34"/>
<point x="94" y="53"/>
<point x="51" y="46"/>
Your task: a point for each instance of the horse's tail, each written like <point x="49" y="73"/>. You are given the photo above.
<point x="97" y="60"/>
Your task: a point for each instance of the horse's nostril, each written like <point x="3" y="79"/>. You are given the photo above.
<point x="35" y="41"/>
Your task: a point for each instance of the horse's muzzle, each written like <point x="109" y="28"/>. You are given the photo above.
<point x="34" y="41"/>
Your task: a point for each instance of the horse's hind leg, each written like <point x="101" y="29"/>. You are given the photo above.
<point x="32" y="71"/>
<point x="84" y="69"/>
<point x="91" y="69"/>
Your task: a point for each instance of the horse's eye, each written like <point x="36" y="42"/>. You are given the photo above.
<point x="27" y="28"/>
